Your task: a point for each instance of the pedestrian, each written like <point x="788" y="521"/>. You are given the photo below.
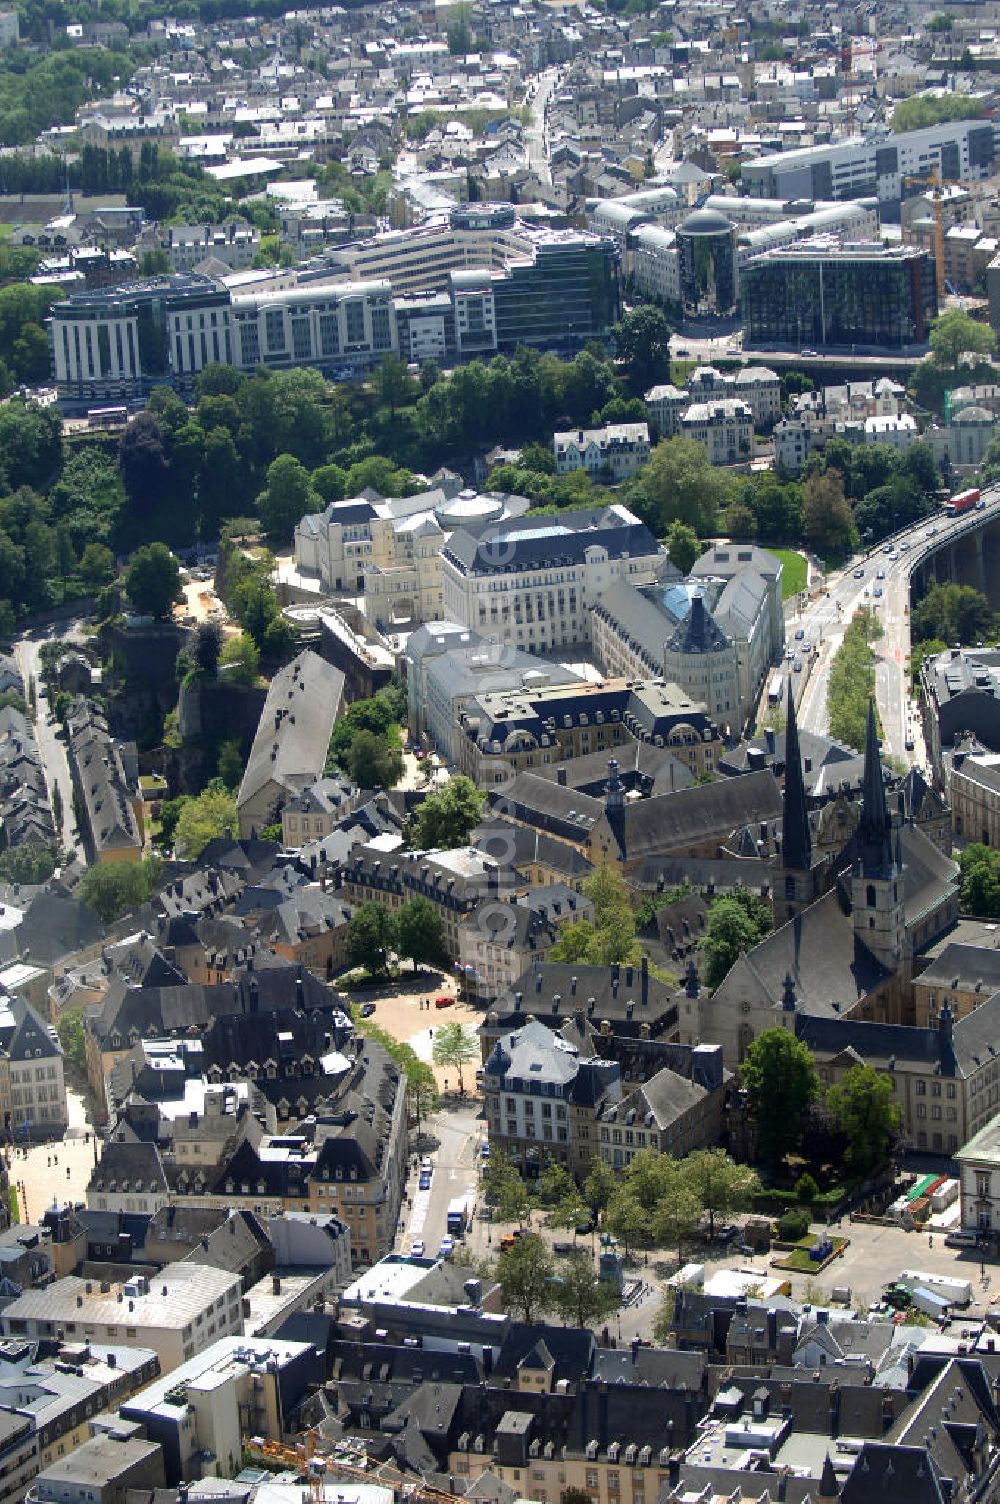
<point x="67" y="1172"/>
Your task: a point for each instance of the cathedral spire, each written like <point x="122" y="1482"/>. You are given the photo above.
<point x="796" y="843"/>
<point x="876" y="826"/>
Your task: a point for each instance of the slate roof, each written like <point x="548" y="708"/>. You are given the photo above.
<point x="293" y="735"/>
<point x="689" y="817"/>
<point x="819" y="950"/>
<point x="529" y="845"/>
<point x="525" y="544"/>
<point x="698" y="632"/>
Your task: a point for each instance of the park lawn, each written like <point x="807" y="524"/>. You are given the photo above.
<point x="795" y="571"/>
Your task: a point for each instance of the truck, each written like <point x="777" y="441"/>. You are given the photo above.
<point x="957" y="1292"/>
<point x="458" y="1216"/>
<point x="776" y="690"/>
<point x="962" y="501"/>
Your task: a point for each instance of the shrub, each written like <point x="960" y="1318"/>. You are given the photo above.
<point x="806" y="1189"/>
<point x="793" y="1225"/>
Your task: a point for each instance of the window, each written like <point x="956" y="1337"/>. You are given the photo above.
<point x="274" y="326"/>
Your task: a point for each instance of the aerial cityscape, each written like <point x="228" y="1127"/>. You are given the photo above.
<point x="499" y="752"/>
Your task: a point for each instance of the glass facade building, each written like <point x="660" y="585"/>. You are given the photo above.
<point x="820" y="295"/>
<point x="570" y="292"/>
<point x="706" y="245"/>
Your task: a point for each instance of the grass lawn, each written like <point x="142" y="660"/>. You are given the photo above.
<point x="799" y="1262"/>
<point x="794" y="573"/>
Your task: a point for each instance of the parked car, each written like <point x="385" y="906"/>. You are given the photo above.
<point x="417" y="1248"/>
<point x="859" y="573"/>
<point x="444" y="1001"/>
<point x="367" y="1009"/>
<point x="562" y="1247"/>
<point x="425" y="1180"/>
<point x="800" y="632"/>
<point x="447" y="1247"/>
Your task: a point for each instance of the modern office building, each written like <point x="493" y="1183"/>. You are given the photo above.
<point x="959" y="149"/>
<point x="820" y="293"/>
<point x="551" y="289"/>
<point x="706" y="243"/>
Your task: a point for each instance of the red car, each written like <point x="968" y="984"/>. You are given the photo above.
<point x="443" y="1002"/>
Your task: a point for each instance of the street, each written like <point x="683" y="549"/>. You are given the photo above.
<point x="536" y="134"/>
<point x="458" y="1130"/>
<point x="825" y="619"/>
<point x="27" y="651"/>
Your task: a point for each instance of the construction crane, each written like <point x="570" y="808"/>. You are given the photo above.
<point x="932" y="180"/>
<point x="304" y="1458"/>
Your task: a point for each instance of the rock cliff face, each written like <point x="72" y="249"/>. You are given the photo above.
<point x="208" y="715"/>
<point x="139" y="678"/>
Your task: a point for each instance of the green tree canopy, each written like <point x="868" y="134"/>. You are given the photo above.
<point x="736" y="923"/>
<point x="372" y="935"/>
<point x="863" y="1108"/>
<point x="111" y="889"/>
<point x="980" y="881"/>
<point x="444" y="820"/>
<point x="204" y="818"/>
<point x="373" y="762"/>
<point x="454" y="1047"/>
<point x="682" y="546"/>
<point x="153" y="581"/>
<point x="239" y="660"/>
<point x="524" y="1272"/>
<point x="956" y="614"/>
<point x="922" y="110"/>
<point x="579" y="1296"/>
<point x="420" y="933"/>
<point x="781" y="1081"/>
<point x="642" y="343"/>
<point x="680" y="484"/>
<point x="955" y="334"/>
<point x="721" y="1186"/>
<point x="287" y="497"/>
<point x="829" y="521"/>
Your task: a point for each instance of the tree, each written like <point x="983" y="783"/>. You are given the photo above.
<point x="97" y="564"/>
<point x="721" y="1185"/>
<point x="829" y="521"/>
<point x="454" y="1047"/>
<point x="626" y="1219"/>
<point x="73" y="1040"/>
<point x="230" y="763"/>
<point x="206" y="648"/>
<point x="57" y="808"/>
<point x="956" y="333"/>
<point x="505" y="1190"/>
<point x="209" y="815"/>
<point x="524" y="1271"/>
<point x="287" y="497"/>
<point x="239" y="660"/>
<point x="599" y="1186"/>
<point x="371" y="937"/>
<point x="956" y="614"/>
<point x="420" y="933"/>
<point x="862" y="1106"/>
<point x="679" y="484"/>
<point x="678" y="1213"/>
<point x="111" y="889"/>
<point x="421" y="1086"/>
<point x="153" y="580"/>
<point x="980" y="889"/>
<point x="28" y="863"/>
<point x="372" y="762"/>
<point x="392" y="384"/>
<point x="579" y="1296"/>
<point x="736" y="923"/>
<point x="781" y="1081"/>
<point x="642" y="343"/>
<point x="459" y="34"/>
<point x="445" y="820"/>
<point x="682" y="546"/>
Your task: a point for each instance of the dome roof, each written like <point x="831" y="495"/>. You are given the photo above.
<point x="972" y="415"/>
<point x="705" y="222"/>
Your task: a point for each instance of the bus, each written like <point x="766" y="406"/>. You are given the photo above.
<point x="776" y="690"/>
<point x="107" y="417"/>
<point x="458" y="1216"/>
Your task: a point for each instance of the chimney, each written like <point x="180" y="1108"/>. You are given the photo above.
<point x="561" y="777"/>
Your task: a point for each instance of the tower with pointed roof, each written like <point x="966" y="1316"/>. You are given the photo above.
<point x="877" y="882"/>
<point x="799" y="872"/>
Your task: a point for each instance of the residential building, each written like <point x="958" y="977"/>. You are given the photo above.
<point x="961" y="688"/>
<point x="670" y="1113"/>
<point x="289" y="750"/>
<point x="613" y="453"/>
<point x="724" y="427"/>
<point x="543" y="1100"/>
<point x="102" y="1470"/>
<point x="110" y="808"/>
<point x="235" y="243"/>
<point x="456" y="882"/>
<point x="317" y="811"/>
<point x="177" y="1313"/>
<point x="820" y="293"/>
<point x="32" y="1080"/>
<point x="238" y="1386"/>
<point x="979" y="1182"/>
<point x="534" y="584"/>
<point x="961" y="977"/>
